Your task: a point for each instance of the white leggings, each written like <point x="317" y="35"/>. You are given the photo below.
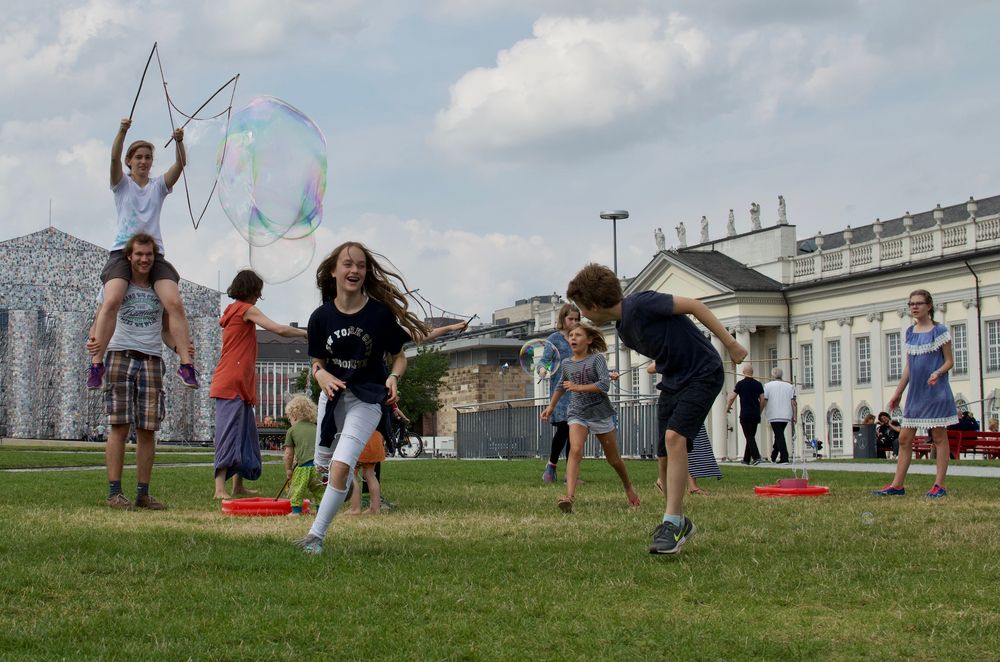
<point x="356" y="421"/>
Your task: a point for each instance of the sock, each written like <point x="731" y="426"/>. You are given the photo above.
<point x="676" y="520"/>
<point x="114" y="487"/>
<point x="142" y="489"/>
<point x="333" y="499"/>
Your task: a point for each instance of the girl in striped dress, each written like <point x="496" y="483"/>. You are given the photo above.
<point x="585" y="375"/>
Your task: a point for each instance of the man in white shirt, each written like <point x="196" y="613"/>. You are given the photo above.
<point x="781" y="409"/>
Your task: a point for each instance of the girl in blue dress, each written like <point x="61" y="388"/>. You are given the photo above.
<point x="568" y="319"/>
<point x="929" y="403"/>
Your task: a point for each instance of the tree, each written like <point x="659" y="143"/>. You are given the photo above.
<point x="304" y="378"/>
<point x="418" y="390"/>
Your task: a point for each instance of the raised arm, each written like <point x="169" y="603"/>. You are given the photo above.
<point x="117" y="145"/>
<point x="174" y="173"/>
<point x="442" y="330"/>
<point x="254" y="315"/>
<point x="686" y="306"/>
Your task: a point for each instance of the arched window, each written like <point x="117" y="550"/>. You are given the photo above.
<point x="836" y="430"/>
<point x="863" y="411"/>
<point x="808" y="425"/>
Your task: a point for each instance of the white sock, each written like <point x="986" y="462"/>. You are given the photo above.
<point x="333" y="499"/>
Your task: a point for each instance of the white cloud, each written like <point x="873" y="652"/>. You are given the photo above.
<point x="576" y="74"/>
<point x="844" y="69"/>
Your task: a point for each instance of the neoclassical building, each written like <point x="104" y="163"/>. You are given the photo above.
<point x="831" y="311"/>
<point x="49" y="281"/>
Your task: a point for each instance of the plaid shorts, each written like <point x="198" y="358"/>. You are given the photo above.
<point x="134" y="389"/>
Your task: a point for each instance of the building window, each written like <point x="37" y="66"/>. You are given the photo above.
<point x="836" y="430"/>
<point x="894" y="356"/>
<point x="275" y="381"/>
<point x="806" y="352"/>
<point x="993" y="346"/>
<point x="772" y="359"/>
<point x="864" y="411"/>
<point x="960" y="345"/>
<point x="808" y="425"/>
<point x="833" y="362"/>
<point x="864" y="355"/>
<point x="636" y="381"/>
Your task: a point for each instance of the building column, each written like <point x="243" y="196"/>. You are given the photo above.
<point x="972" y="344"/>
<point x="819" y="383"/>
<point x="71" y="331"/>
<point x="847" y="382"/>
<point x="22" y="328"/>
<point x="878" y="369"/>
<point x="624" y="369"/>
<point x="722" y="445"/>
<point x="785" y="352"/>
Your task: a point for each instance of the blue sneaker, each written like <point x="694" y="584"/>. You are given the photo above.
<point x="889" y="490"/>
<point x="550" y="474"/>
<point x="310" y="544"/>
<point x="937" y="492"/>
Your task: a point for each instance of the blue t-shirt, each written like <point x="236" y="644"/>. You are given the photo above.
<point x="749" y="390"/>
<point x="352" y="346"/>
<point x="682" y="352"/>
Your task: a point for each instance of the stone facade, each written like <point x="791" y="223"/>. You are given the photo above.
<point x="49" y="282"/>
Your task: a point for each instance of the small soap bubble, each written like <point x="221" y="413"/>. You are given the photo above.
<point x="540" y="358"/>
<point x="867" y="518"/>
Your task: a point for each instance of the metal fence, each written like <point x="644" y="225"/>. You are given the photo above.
<point x="513" y="428"/>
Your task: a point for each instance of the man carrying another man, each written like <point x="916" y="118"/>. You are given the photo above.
<point x="134" y="393"/>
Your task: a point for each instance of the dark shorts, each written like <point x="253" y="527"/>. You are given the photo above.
<point x="134" y="392"/>
<point x="118" y="266"/>
<point x="685" y="411"/>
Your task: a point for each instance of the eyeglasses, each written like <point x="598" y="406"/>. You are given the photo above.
<point x="911" y="304"/>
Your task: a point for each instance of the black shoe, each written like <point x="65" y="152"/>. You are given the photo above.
<point x="754" y="463"/>
<point x="668" y="538"/>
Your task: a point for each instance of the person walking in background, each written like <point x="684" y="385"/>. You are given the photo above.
<point x="234" y="384"/>
<point x="568" y="319"/>
<point x="780" y="409"/>
<point x="930" y="403"/>
<point x="751" y="395"/>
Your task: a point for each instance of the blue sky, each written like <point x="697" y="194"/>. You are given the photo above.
<point x="474" y="143"/>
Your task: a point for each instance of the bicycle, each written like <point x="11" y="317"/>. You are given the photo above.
<point x="403" y="442"/>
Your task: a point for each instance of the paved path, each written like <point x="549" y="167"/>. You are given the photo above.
<point x="954" y="469"/>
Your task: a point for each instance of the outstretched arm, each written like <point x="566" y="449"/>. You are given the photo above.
<point x="686" y="306"/>
<point x="174" y="173"/>
<point x="254" y="315"/>
<point x="442" y="330"/>
<point x="117" y="145"/>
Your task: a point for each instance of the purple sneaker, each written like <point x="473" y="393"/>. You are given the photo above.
<point x="889" y="490"/>
<point x="188" y="375"/>
<point x="95" y="378"/>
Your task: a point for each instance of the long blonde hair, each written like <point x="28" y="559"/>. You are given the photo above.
<point x="378" y="285"/>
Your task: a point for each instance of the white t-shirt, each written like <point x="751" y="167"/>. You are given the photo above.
<point x="139" y="209"/>
<point x="779" y="397"/>
<point x="140" y="322"/>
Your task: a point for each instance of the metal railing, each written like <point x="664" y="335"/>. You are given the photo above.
<point x="513" y="428"/>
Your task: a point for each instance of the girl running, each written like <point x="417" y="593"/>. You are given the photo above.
<point x="586" y="377"/>
<point x="568" y="318"/>
<point x="364" y="316"/>
<point x="930" y="403"/>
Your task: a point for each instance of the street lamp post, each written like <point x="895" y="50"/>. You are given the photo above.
<point x="615" y="215"/>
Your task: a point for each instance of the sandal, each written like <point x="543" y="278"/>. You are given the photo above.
<point x="658" y="485"/>
<point x="697" y="490"/>
<point x="566" y="504"/>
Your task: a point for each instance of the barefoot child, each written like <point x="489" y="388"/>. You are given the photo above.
<point x="300" y="441"/>
<point x="656" y="325"/>
<point x="373" y="453"/>
<point x="586" y="377"/>
<point x="234" y="384"/>
<point x="138" y="200"/>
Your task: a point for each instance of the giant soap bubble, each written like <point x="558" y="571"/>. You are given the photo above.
<point x="272" y="179"/>
<point x="540" y="358"/>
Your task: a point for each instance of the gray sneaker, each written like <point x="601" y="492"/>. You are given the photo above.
<point x="668" y="538"/>
<point x="310" y="544"/>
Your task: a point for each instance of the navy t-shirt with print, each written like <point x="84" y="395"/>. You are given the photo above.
<point x="353" y="346"/>
<point x="682" y="352"/>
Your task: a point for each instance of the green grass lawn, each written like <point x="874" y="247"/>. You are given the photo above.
<point x="33" y="457"/>
<point x="476" y="562"/>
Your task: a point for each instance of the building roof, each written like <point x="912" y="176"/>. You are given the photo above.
<point x="893" y="227"/>
<point x="725" y="270"/>
<point x="277" y="349"/>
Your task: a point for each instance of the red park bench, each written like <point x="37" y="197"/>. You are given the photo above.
<point x="986" y="444"/>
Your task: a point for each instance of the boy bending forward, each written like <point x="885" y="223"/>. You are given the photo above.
<point x="656" y="325"/>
